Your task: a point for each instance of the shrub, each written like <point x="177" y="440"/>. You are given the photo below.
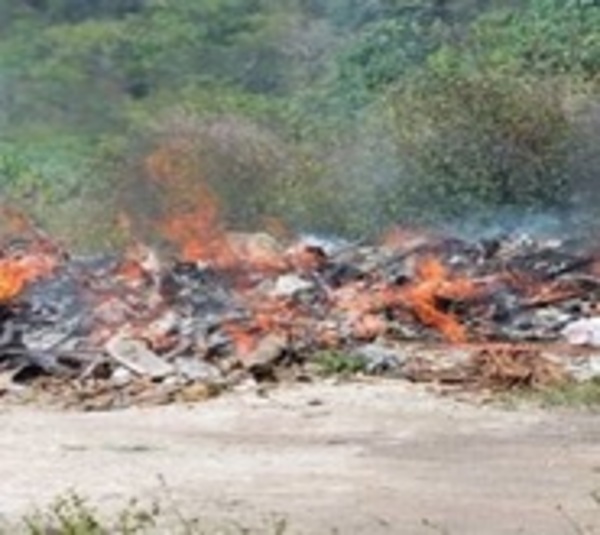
<point x="473" y="142"/>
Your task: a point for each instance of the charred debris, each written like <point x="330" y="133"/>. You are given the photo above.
<point x="106" y="332"/>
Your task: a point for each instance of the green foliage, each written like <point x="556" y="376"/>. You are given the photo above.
<point x="478" y="142"/>
<point x="547" y="37"/>
<point x="338" y="363"/>
<point x="486" y="126"/>
<point x="586" y="395"/>
<point x="381" y="54"/>
<point x="571" y="395"/>
<point x="72" y="515"/>
<point x="340" y="115"/>
<point x="79" y="10"/>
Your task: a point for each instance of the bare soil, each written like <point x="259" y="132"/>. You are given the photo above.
<point x="376" y="457"/>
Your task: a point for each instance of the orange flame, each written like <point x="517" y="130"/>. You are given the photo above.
<point x="434" y="282"/>
<point x="192" y="220"/>
<point x="199" y="236"/>
<point x="17" y="273"/>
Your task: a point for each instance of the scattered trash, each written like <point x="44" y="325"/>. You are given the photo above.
<point x="114" y="328"/>
<point x="195" y="370"/>
<point x="583" y="332"/>
<point x="291" y="285"/>
<point x="135" y="356"/>
<point x="380" y="359"/>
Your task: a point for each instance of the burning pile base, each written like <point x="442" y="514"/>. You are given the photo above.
<point x="106" y="332"/>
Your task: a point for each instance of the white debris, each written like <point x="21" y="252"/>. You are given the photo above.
<point x="134" y="355"/>
<point x="291" y="285"/>
<point x="585" y="369"/>
<point x="379" y="358"/>
<point x="121" y="376"/>
<point x="583" y="332"/>
<point x="193" y="369"/>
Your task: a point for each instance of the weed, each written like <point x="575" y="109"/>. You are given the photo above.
<point x="338" y="363"/>
<point x="574" y="395"/>
<point x="74" y="515"/>
<point x="578" y="395"/>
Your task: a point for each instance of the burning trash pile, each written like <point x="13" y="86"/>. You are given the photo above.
<point x="110" y="331"/>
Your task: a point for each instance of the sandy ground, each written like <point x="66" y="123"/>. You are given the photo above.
<point x="371" y="458"/>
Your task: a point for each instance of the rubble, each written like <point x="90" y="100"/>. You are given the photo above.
<point x="484" y="313"/>
<point x="135" y="356"/>
<point x="195" y="370"/>
<point x="291" y="285"/>
<point x="586" y="368"/>
<point x="380" y="359"/>
<point x="584" y="332"/>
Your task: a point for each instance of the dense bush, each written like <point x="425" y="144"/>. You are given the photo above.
<point x="475" y="143"/>
<point x="492" y="124"/>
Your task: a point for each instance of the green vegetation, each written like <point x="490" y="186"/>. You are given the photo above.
<point x="338" y="363"/>
<point x="577" y="395"/>
<point x="330" y="115"/>
<point x="73" y="515"/>
<point x="583" y="395"/>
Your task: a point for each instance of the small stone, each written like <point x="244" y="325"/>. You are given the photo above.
<point x="121" y="376"/>
<point x="192" y="369"/>
<point x="378" y="358"/>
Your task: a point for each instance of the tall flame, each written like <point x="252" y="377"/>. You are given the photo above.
<point x="434" y="282"/>
<point x="191" y="213"/>
<point x="19" y="268"/>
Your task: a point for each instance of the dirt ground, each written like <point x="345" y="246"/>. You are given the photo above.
<point x="380" y="457"/>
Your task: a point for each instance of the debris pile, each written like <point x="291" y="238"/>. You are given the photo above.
<point x="141" y="328"/>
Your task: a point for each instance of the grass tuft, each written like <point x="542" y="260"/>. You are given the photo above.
<point x="73" y="515"/>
